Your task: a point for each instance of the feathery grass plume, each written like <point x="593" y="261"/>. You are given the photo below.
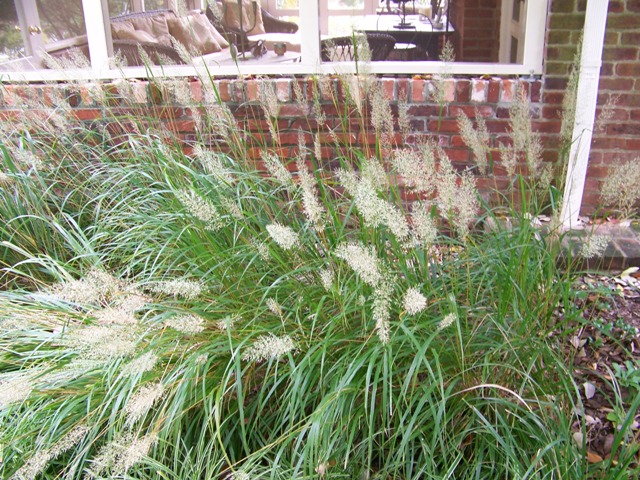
<point x="61" y="377"/>
<point x="213" y="164"/>
<point x="606" y="113"/>
<point x="240" y="475"/>
<point x="381" y="116"/>
<point x="526" y="142"/>
<point x="509" y="159"/>
<point x="14" y="390"/>
<point x="326" y="278"/>
<point x="375" y="210"/>
<point x="201" y="208"/>
<point x="404" y="120"/>
<point x="268" y="100"/>
<point x="119" y="455"/>
<point x="97" y="287"/>
<point x="180" y="90"/>
<point x="570" y="100"/>
<point x="262" y="249"/>
<point x="228" y="322"/>
<point x="594" y="246"/>
<point x="457" y="199"/>
<point x="220" y="118"/>
<point x="144" y="363"/>
<point x="355" y="91"/>
<point x="274" y="307"/>
<point x="188" y="324"/>
<point x="477" y="139"/>
<point x="269" y="347"/>
<point x="447" y="321"/>
<point x="131" y="302"/>
<point x="313" y="209"/>
<point x="620" y="188"/>
<point x="423" y="227"/>
<point x="362" y="260"/>
<point x="178" y="287"/>
<point x="317" y="147"/>
<point x="417" y="168"/>
<point x="38" y="462"/>
<point x="276" y="168"/>
<point x="99" y="342"/>
<point x="185" y="54"/>
<point x="5" y="180"/>
<point x="300" y="98"/>
<point x="231" y="207"/>
<point x="439" y="82"/>
<point x="142" y="401"/>
<point x="117" y="316"/>
<point x="413" y="301"/>
<point x="381" y="309"/>
<point x="284" y="236"/>
<point x="33" y="467"/>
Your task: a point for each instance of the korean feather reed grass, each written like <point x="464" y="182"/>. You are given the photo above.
<point x="172" y="315"/>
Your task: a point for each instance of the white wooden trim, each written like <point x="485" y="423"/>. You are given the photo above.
<point x="537" y="13"/>
<point x="590" y="63"/>
<point x="94" y="20"/>
<point x="310" y="43"/>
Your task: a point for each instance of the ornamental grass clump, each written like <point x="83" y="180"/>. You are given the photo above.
<point x="165" y="315"/>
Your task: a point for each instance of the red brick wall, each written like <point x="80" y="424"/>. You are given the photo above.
<point x="491" y="97"/>
<point x="618" y="138"/>
<point x="477" y="24"/>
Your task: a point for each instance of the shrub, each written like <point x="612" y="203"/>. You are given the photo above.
<point x="174" y="316"/>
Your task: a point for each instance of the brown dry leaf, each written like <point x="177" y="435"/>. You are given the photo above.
<point x="594" y="457"/>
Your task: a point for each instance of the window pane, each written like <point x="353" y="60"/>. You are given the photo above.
<point x="286" y="4"/>
<point x="516" y="10"/>
<point x="11" y="42"/>
<point x="34" y="33"/>
<point x="224" y="35"/>
<point x="513" y="54"/>
<point x="154" y="4"/>
<point x="345" y="4"/>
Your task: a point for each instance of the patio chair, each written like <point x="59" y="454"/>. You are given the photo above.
<point x="342" y="49"/>
<point x="239" y="38"/>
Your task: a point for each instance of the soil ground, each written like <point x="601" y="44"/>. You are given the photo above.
<point x="604" y="349"/>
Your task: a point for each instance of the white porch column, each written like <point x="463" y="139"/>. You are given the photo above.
<point x="590" y="62"/>
<point x="309" y="33"/>
<point x="96" y="21"/>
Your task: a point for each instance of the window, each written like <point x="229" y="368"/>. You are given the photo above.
<point x="492" y="36"/>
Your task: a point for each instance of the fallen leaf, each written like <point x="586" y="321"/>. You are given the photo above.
<point x="578" y="438"/>
<point x="589" y="389"/>
<point x="593" y="457"/>
<point x="627" y="273"/>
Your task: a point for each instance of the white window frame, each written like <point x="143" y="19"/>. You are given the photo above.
<point x="533" y="52"/>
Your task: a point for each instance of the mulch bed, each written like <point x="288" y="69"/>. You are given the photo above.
<point x="605" y="348"/>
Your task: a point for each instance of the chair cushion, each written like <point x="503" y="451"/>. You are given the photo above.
<point x="137" y="35"/>
<point x="196" y="33"/>
<point x="251" y="16"/>
<point x="156" y="26"/>
<point x="121" y="28"/>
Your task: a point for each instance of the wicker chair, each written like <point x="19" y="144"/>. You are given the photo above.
<point x="130" y="49"/>
<point x="240" y="39"/>
<point x="343" y="49"/>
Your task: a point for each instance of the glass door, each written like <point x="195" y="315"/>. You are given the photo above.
<point x="31" y="29"/>
<point x="512" y="31"/>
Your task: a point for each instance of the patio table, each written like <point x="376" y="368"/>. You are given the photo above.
<point x="422" y="32"/>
